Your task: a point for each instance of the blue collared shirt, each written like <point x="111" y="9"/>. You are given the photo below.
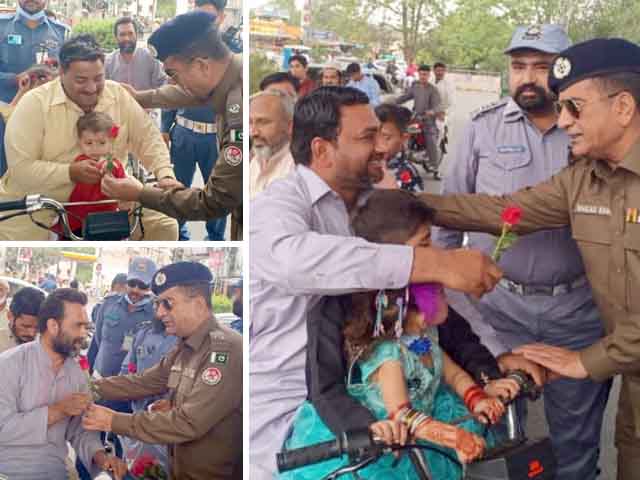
<point x="368" y="85"/>
<point x="302" y="248"/>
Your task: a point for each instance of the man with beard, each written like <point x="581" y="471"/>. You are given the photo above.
<point x="28" y="37"/>
<point x="47" y="149"/>
<point x="23" y="320"/>
<point x="270" y="123"/>
<point x="202" y="420"/>
<point x="544" y="295"/>
<point x="302" y="248"/>
<point x="131" y="64"/>
<point x="331" y="76"/>
<point x="44" y="393"/>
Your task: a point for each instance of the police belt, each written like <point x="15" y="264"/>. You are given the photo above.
<point x="548" y="290"/>
<point x="198" y="127"/>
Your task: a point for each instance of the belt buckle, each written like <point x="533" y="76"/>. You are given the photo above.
<point x="199" y="127"/>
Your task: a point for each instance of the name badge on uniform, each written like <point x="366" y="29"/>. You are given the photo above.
<point x="511" y="149"/>
<point x="127" y="343"/>
<point x="14" y="39"/>
<point x="593" y="209"/>
<point x="632" y="215"/>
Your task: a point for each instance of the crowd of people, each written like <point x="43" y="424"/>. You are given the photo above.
<point x="344" y="270"/>
<point x="147" y="377"/>
<point x="68" y="78"/>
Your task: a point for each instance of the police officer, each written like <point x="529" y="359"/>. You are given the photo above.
<point x="598" y="196"/>
<point x="544" y="295"/>
<point x="27" y="37"/>
<point x="187" y="44"/>
<point x="149" y="346"/>
<point x="192" y="134"/>
<point x="202" y="422"/>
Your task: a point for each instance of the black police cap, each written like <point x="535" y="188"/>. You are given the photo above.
<point x="179" y="32"/>
<point x="593" y="58"/>
<point x="180" y="274"/>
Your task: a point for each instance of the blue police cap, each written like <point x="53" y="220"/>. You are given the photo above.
<point x="178" y="274"/>
<point x="591" y="59"/>
<point x="547" y="38"/>
<point x="142" y="269"/>
<point x="179" y="32"/>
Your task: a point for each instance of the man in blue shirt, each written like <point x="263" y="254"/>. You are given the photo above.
<point x="364" y="83"/>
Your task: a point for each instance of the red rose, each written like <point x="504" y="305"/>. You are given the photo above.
<point x="405" y="177"/>
<point x="83" y="362"/>
<point x="141" y="464"/>
<point x="512" y="215"/>
<point x="131" y="368"/>
<point x="113" y="133"/>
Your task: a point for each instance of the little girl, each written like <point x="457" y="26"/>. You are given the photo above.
<point x="96" y="134"/>
<point x="397" y="369"/>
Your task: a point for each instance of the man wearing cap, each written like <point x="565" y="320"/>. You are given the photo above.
<point x="598" y="196"/>
<point x="196" y="58"/>
<point x="202" y="421"/>
<point x="544" y="295"/>
<point x="331" y="76"/>
<point x="119" y="319"/>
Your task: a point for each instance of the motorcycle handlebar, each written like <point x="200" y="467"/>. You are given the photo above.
<point x="13" y="205"/>
<point x="355" y="444"/>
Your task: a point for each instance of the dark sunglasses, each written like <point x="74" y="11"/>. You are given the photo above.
<point x="574" y="109"/>
<point x="133" y="283"/>
<point x="165" y="302"/>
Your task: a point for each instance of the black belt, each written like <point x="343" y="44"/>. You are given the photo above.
<point x="548" y="290"/>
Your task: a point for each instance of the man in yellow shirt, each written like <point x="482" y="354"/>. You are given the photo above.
<point x="41" y="140"/>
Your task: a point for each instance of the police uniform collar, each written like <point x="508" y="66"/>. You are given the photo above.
<point x="631" y="160"/>
<point x="512" y="111"/>
<point x="231" y="77"/>
<point x="202" y="332"/>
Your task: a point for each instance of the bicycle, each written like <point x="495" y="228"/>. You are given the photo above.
<point x="97" y="226"/>
<point x="517" y="458"/>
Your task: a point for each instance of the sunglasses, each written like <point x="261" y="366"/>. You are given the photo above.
<point x="574" y="108"/>
<point x="165" y="302"/>
<point x="137" y="284"/>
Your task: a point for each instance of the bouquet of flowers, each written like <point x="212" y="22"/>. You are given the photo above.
<point x="83" y="361"/>
<point x="146" y="467"/>
<point x="510" y="216"/>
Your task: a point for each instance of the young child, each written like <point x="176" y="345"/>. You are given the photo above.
<point x="96" y="134"/>
<point x="400" y="172"/>
<point x="391" y="344"/>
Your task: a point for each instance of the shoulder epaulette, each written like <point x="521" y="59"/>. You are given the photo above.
<point x="488" y="108"/>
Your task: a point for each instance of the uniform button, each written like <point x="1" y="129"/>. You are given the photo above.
<point x="619" y="270"/>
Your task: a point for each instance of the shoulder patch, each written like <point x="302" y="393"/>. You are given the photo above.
<point x="233" y="114"/>
<point x="488" y="108"/>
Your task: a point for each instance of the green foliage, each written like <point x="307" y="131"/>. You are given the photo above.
<point x="102" y="29"/>
<point x="221" y="304"/>
<point x="166" y="8"/>
<point x="259" y="67"/>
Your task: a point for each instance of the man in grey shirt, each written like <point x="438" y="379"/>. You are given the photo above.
<point x="130" y="64"/>
<point x="44" y="392"/>
<point x="544" y="296"/>
<point x="302" y="248"/>
<point x="427" y="106"/>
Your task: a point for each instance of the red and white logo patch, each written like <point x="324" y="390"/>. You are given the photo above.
<point x="212" y="376"/>
<point x="233" y="155"/>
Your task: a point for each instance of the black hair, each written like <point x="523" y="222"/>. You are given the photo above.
<point x="74" y="284"/>
<point x="439" y="65"/>
<point x="26" y="301"/>
<point x="391" y="216"/>
<point x="299" y="58"/>
<point x="81" y="48"/>
<point x="53" y="305"/>
<point x="124" y="21"/>
<point x="200" y="290"/>
<point x="398" y="115"/>
<point x="207" y="45"/>
<point x="318" y="115"/>
<point x="219" y="4"/>
<point x="352" y="68"/>
<point x="424" y="68"/>
<point x="279" y="77"/>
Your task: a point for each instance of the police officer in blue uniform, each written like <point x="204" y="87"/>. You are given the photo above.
<point x="192" y="132"/>
<point x="149" y="346"/>
<point x="119" y="320"/>
<point x="27" y="37"/>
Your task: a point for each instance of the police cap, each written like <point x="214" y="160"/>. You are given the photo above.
<point x="547" y="38"/>
<point x="179" y="32"/>
<point x="179" y="274"/>
<point x="593" y="58"/>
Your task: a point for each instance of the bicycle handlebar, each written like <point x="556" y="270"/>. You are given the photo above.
<point x="13" y="205"/>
